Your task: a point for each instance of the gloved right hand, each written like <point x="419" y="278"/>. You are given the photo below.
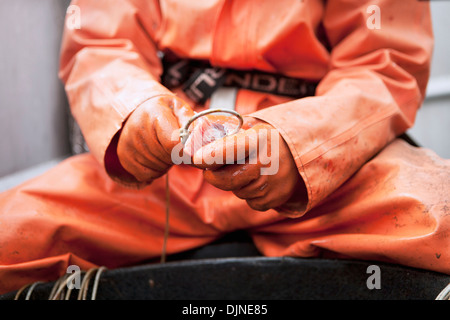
<point x="149" y="135"/>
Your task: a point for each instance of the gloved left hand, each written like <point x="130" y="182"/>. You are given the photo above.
<point x="150" y="133"/>
<point x="255" y="164"/>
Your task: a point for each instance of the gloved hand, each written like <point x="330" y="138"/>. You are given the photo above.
<point x="255" y="164"/>
<point x="149" y="135"/>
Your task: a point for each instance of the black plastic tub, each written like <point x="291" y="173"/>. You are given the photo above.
<point x="232" y="269"/>
<point x="259" y="278"/>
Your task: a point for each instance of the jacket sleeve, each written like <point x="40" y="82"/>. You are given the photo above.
<point x="376" y="82"/>
<point x="109" y="66"/>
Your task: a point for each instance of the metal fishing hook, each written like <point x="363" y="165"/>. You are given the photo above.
<point x="184" y="131"/>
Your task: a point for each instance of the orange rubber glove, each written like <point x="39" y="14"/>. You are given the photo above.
<point x="149" y="135"/>
<point x="255" y="164"/>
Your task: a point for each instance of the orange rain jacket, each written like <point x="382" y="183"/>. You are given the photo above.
<point x="370" y="196"/>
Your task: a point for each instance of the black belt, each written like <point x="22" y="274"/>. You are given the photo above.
<point x="199" y="80"/>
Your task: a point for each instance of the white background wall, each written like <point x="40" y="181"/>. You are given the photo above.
<point x="432" y="127"/>
<point x="33" y="110"/>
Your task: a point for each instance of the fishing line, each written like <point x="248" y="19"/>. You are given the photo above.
<point x="184" y="135"/>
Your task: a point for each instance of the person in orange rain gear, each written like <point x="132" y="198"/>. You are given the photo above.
<point x="345" y="186"/>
